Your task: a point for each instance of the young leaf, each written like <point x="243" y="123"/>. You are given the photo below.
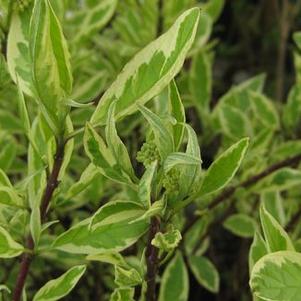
<point x="257" y="250"/>
<point x="265" y="110"/>
<point x="102" y="157"/>
<point x="276" y="237"/>
<point x="115" y="144"/>
<point x="273" y="203"/>
<point x="127" y="277"/>
<point x="163" y="137"/>
<point x="223" y="169"/>
<point x="205" y="272"/>
<point x="175" y="283"/>
<point x="145" y="185"/>
<point x="167" y="241"/>
<point x="51" y="69"/>
<point x="151" y="69"/>
<point x="8" y="247"/>
<point x="277" y="277"/>
<point x="190" y="174"/>
<point x="175" y="159"/>
<point x="60" y="287"/>
<point x="35" y="224"/>
<point x="241" y="225"/>
<point x="178" y="112"/>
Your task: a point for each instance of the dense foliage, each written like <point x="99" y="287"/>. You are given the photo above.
<point x="144" y="154"/>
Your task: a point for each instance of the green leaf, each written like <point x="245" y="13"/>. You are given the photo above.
<point x="276" y="237"/>
<point x="116" y="212"/>
<point x="175" y="282"/>
<point x="234" y="123"/>
<point x="145" y="185"/>
<point x="115" y="144"/>
<point x="190" y="174"/>
<point x="60" y="287"/>
<point x="151" y="69"/>
<point x="223" y="169"/>
<point x="123" y="294"/>
<point x="265" y="110"/>
<point x="51" y="69"/>
<point x="8" y="247"/>
<point x="86" y="178"/>
<point x="241" y="225"/>
<point x="127" y="277"/>
<point x="197" y="231"/>
<point x="102" y="157"/>
<point x="277" y="277"/>
<point x="205" y="272"/>
<point x="94" y="18"/>
<point x="273" y="203"/>
<point x="292" y="108"/>
<point x="178" y="112"/>
<point x="4" y="180"/>
<point x="282" y="179"/>
<point x="175" y="159"/>
<point x="23" y="111"/>
<point x="156" y="208"/>
<point x="297" y="38"/>
<point x="200" y="81"/>
<point x="111" y="258"/>
<point x="163" y="137"/>
<point x="257" y="250"/>
<point x="9" y="197"/>
<point x="214" y="8"/>
<point x="108" y="230"/>
<point x="35" y="224"/>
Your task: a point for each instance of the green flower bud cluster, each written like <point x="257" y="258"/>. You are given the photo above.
<point x="171" y="181"/>
<point x="148" y="153"/>
<point x="21" y="5"/>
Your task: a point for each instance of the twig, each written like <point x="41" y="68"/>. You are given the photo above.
<point x="286" y="19"/>
<point x="226" y="194"/>
<point x="152" y="260"/>
<point x="52" y="184"/>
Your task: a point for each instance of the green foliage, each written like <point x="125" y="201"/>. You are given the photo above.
<point x="126" y="167"/>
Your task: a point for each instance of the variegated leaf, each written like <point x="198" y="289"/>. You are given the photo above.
<point x="151" y="69"/>
<point x="223" y="169"/>
<point x="18" y="55"/>
<point x="277" y="277"/>
<point x="175" y="282"/>
<point x="205" y="272"/>
<point x="276" y="237"/>
<point x="94" y="18"/>
<point x="51" y="69"/>
<point x="58" y="288"/>
<point x="8" y="247"/>
<point x="108" y="230"/>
